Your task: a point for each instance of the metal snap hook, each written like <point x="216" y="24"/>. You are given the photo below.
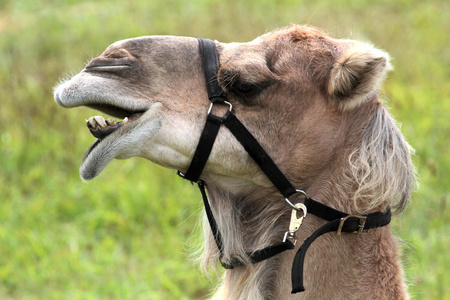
<point x="295" y="223"/>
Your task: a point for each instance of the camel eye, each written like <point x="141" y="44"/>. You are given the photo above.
<point x="244" y="89"/>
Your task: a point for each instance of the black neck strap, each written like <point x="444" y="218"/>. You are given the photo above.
<point x="337" y="221"/>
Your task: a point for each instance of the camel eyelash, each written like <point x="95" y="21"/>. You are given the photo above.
<point x="244" y="89"/>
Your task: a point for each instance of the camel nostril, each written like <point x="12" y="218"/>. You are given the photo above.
<point x="109" y="64"/>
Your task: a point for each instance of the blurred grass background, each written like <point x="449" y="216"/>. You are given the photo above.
<point x="128" y="233"/>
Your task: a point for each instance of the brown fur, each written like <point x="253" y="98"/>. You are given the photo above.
<point x="318" y="116"/>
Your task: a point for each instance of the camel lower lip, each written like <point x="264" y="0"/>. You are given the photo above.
<point x="91" y="148"/>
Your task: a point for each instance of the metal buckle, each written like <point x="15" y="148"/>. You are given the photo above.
<point x="362" y="222"/>
<point x="181" y="174"/>
<point x="224" y="102"/>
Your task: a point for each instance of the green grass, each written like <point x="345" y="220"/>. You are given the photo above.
<point x="129" y="233"/>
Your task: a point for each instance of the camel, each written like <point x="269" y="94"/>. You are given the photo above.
<point x="312" y="103"/>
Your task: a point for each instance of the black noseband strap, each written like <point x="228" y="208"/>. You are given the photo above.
<point x="210" y="63"/>
<point x="337" y="220"/>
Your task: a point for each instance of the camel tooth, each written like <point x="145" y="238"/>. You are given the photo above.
<point x="125" y="121"/>
<point x="111" y="122"/>
<point x="91" y="123"/>
<point x="101" y="122"/>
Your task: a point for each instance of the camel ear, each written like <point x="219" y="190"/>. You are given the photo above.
<point x="358" y="72"/>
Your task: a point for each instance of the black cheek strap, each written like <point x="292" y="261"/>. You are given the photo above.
<point x="257" y="153"/>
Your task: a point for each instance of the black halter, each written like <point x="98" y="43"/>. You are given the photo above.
<point x="337" y="220"/>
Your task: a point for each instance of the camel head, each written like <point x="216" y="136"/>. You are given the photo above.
<point x="309" y="100"/>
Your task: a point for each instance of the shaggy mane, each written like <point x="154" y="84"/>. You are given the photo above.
<point x="381" y="166"/>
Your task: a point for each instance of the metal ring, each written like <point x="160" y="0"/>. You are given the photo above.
<point x="302" y="192"/>
<point x="291" y="204"/>
<point x="225" y="102"/>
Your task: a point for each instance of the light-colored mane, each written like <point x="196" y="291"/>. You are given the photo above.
<point x="381" y="166"/>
